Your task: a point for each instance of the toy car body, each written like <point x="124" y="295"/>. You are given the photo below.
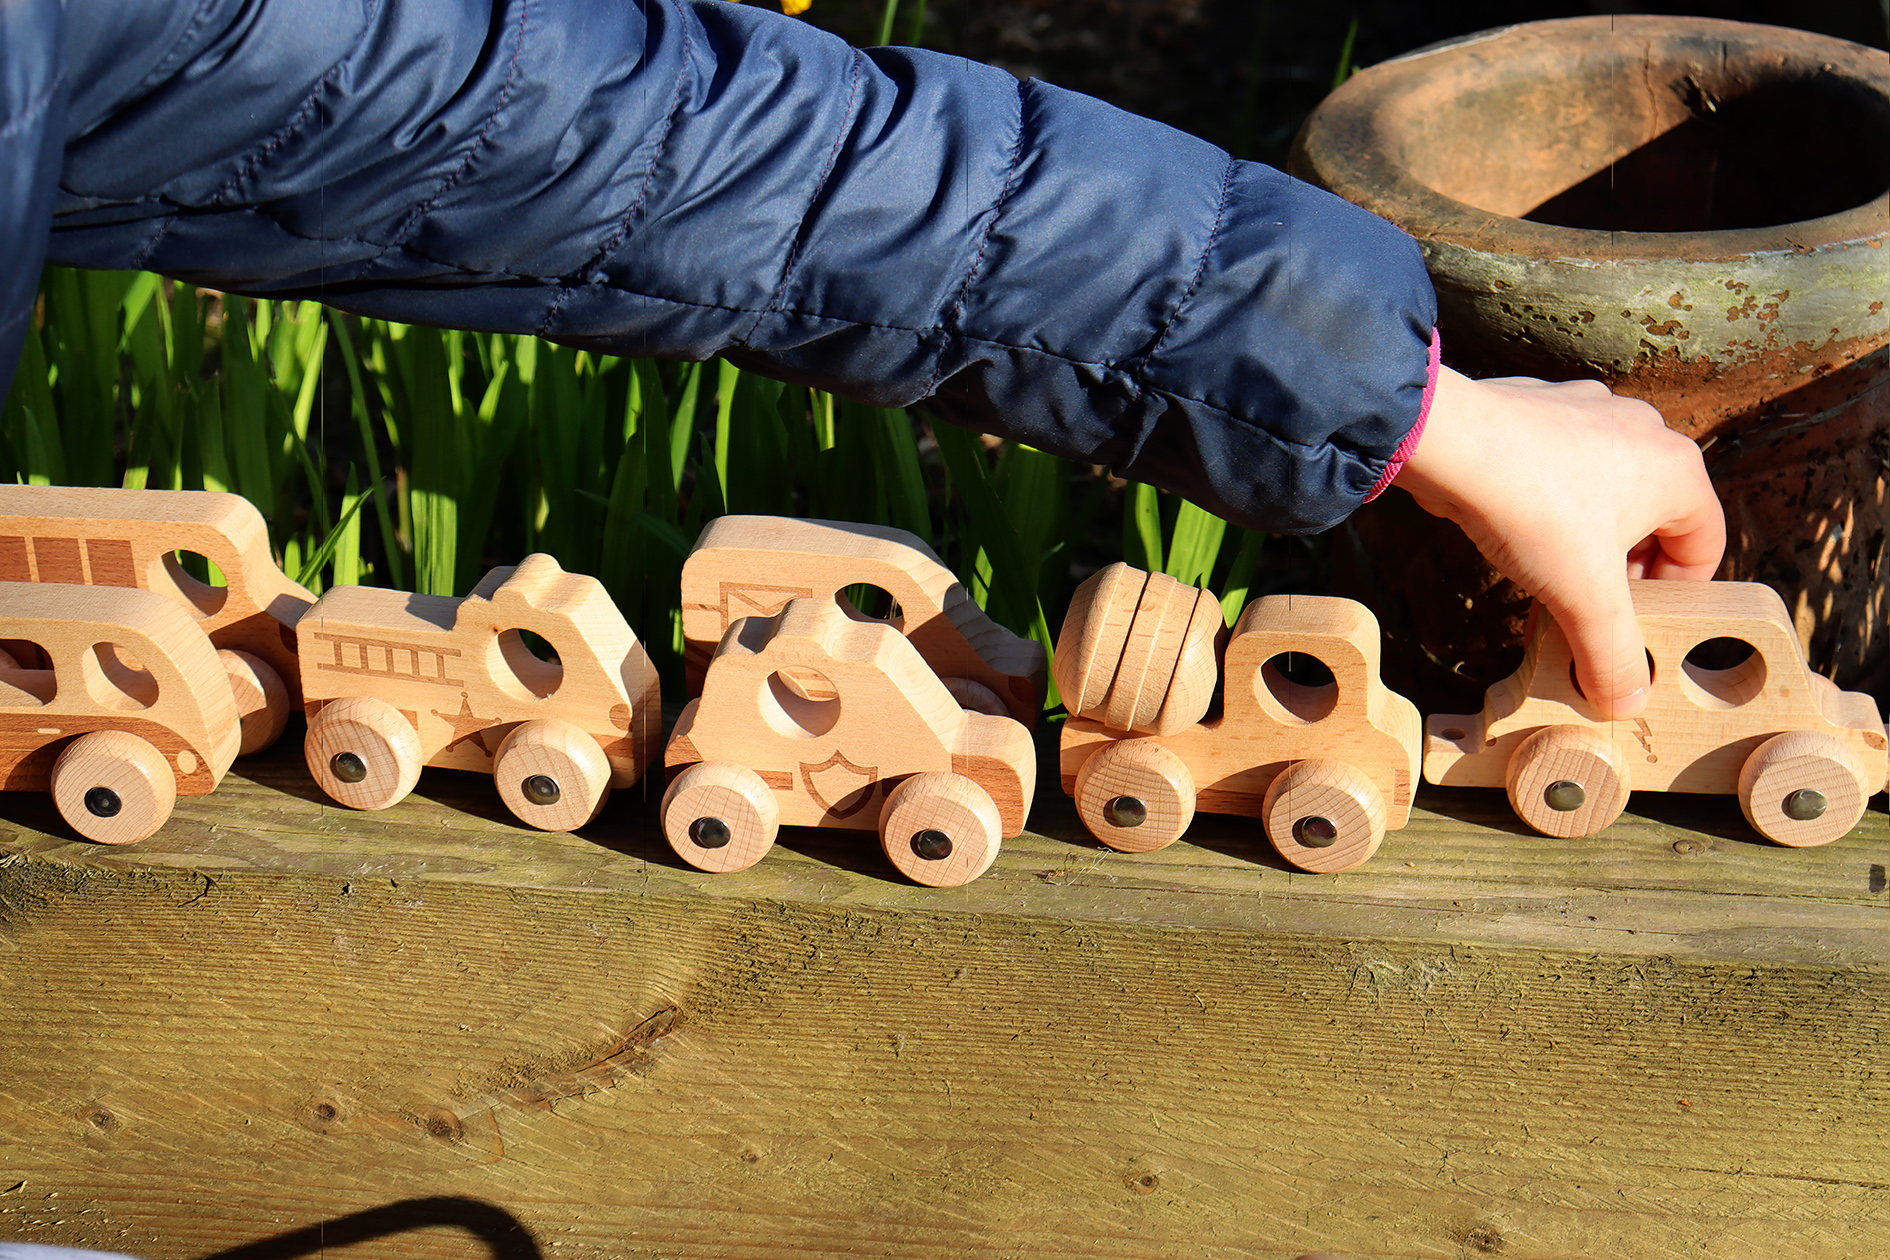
<point x="1328" y="769"/>
<point x="394" y="681"/>
<point x="130" y="538"/>
<point x="112" y="699"/>
<point x="746" y="566"/>
<point x="813" y="717"/>
<point x="1802" y="755"/>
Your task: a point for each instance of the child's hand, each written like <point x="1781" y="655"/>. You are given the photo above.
<point x="1569" y="491"/>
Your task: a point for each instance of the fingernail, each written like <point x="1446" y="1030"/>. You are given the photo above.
<point x="1629" y="705"/>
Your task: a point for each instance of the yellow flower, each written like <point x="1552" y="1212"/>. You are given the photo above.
<point x="794" y="8"/>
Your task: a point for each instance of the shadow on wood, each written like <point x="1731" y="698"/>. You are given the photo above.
<point x="504" y="1235"/>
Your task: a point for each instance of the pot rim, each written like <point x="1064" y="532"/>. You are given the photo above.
<point x="1353" y="144"/>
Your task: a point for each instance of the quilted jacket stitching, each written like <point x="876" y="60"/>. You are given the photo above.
<point x="820" y="186"/>
<point x="949" y="324"/>
<point x="1194" y="281"/>
<point x="250" y="162"/>
<point x="451" y="182"/>
<point x="643" y="188"/>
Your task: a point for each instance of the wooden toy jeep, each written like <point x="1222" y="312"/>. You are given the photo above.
<point x="112" y="699"/>
<point x="1326" y="765"/>
<point x="748" y="566"/>
<point x="132" y="538"/>
<point x="394" y="682"/>
<point x="1733" y="708"/>
<point x="814" y="717"/>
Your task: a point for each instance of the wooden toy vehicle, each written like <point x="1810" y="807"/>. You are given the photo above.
<point x="747" y="566"/>
<point x="1326" y="768"/>
<point x="814" y="717"/>
<point x="394" y="682"/>
<point x="131" y="538"/>
<point x="114" y="700"/>
<point x="1803" y="756"/>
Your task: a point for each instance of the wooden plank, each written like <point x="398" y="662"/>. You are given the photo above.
<point x="274" y="1015"/>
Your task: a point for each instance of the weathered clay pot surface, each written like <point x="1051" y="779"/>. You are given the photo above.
<point x="1692" y="211"/>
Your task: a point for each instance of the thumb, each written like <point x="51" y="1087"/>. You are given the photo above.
<point x="1605" y="638"/>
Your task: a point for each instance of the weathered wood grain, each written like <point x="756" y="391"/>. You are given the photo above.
<point x="1667" y="1040"/>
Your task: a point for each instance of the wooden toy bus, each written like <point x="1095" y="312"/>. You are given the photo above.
<point x="112" y="699"/>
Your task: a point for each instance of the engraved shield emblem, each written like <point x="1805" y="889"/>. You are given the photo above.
<point x="838" y="786"/>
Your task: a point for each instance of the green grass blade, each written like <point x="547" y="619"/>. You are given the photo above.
<point x="1345" y="69"/>
<point x="727" y="379"/>
<point x="434" y="479"/>
<point x="654" y="438"/>
<point x="672" y="540"/>
<point x="390" y="538"/>
<point x="1012" y="575"/>
<point x="135" y="304"/>
<point x="245" y="416"/>
<point x="1142" y="528"/>
<point x="907" y="504"/>
<point x="682" y="422"/>
<point x="1240" y="575"/>
<point x="1194" y="544"/>
<point x="32" y="419"/>
<point x="348" y="569"/>
<point x="308" y="573"/>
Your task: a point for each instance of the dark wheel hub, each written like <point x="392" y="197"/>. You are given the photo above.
<point x="542" y="789"/>
<point x="348" y="767"/>
<point x="709" y="833"/>
<point x="102" y="802"/>
<point x="1315" y="832"/>
<point x="1805" y="804"/>
<point x="1564" y="796"/>
<point x="932" y="845"/>
<point x="1126" y="811"/>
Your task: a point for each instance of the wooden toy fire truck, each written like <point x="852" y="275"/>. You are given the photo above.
<point x="534" y="678"/>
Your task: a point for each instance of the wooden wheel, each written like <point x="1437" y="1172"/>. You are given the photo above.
<point x="363" y="752"/>
<point x="1803" y="788"/>
<point x="262" y="699"/>
<point x="976" y="697"/>
<point x="1324" y="816"/>
<point x="940" y="829"/>
<point x="719" y="816"/>
<point x="1566" y="781"/>
<point x="551" y="774"/>
<point x="1135" y="795"/>
<point x="113" y="787"/>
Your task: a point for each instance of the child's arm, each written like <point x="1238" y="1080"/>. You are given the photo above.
<point x="1556" y="485"/>
<point x="686" y="179"/>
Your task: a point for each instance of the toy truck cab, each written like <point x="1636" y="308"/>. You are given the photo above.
<point x="112" y="699"/>
<point x="131" y="538"/>
<point x="1327" y="768"/>
<point x="744" y="566"/>
<point x="394" y="682"/>
<point x="815" y="718"/>
<point x="1733" y="708"/>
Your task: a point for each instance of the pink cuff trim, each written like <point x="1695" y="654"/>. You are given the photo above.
<point x="1408" y="447"/>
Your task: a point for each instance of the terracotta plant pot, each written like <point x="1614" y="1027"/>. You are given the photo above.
<point x="1692" y="211"/>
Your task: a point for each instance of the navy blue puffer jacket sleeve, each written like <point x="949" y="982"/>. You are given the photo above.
<point x="687" y="178"/>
